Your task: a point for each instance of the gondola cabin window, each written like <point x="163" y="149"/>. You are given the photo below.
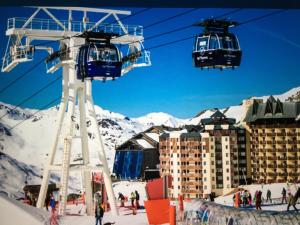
<point x="213" y="42"/>
<point x="202" y="43"/>
<point x="102" y="54"/>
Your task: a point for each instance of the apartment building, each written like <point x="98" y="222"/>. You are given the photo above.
<point x="180" y="157"/>
<point x="274" y="140"/>
<point x="209" y="159"/>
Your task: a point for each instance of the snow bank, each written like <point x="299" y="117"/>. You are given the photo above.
<point x="14" y="212"/>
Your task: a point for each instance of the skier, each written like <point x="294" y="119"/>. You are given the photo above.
<point x="283" y="193"/>
<point x="269" y="196"/>
<point x="99" y="212"/>
<point x="137" y="198"/>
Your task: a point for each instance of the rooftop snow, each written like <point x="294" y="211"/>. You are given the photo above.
<point x="144" y="143"/>
<point x="153" y="136"/>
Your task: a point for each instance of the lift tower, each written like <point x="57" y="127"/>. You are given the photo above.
<point x="22" y="33"/>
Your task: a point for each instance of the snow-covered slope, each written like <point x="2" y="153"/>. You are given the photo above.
<point x="291" y="95"/>
<point x="14" y="174"/>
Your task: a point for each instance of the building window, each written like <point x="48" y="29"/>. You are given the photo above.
<point x="212" y="162"/>
<point x="213" y="187"/>
<point x="213" y="178"/>
<point x="204" y="171"/>
<point x="226" y="146"/>
<point x="205" y="187"/>
<point x="212" y="154"/>
<point x="227" y="162"/>
<point x="204" y="163"/>
<point x="227" y="178"/>
<point x="227" y="170"/>
<point x="226" y="154"/>
<point x="178" y="187"/>
<point x="212" y="170"/>
<point x="204" y="179"/>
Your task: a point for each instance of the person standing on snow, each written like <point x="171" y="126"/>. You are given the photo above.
<point x="258" y="200"/>
<point x="121" y="198"/>
<point x="52" y="203"/>
<point x="132" y="198"/>
<point x="99" y="212"/>
<point x="283" y="193"/>
<point x="137" y="198"/>
<point x="269" y="196"/>
<point x="291" y="202"/>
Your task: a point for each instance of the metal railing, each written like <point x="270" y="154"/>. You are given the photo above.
<point x="76" y="26"/>
<point x="17" y="54"/>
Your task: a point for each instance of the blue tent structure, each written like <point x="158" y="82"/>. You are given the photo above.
<point x="138" y="157"/>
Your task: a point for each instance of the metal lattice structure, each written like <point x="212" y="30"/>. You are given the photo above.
<point x="22" y="32"/>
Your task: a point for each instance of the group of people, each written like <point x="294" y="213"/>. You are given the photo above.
<point x="244" y="198"/>
<point x="31" y="198"/>
<point x="134" y="198"/>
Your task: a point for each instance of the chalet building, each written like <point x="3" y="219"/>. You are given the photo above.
<point x="138" y="157"/>
<point x="209" y="160"/>
<point x="274" y="140"/>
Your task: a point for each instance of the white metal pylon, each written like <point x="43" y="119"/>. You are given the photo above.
<point x="76" y="91"/>
<point x="22" y="32"/>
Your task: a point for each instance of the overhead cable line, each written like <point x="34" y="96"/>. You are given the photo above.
<point x="170" y="18"/>
<point x="188" y="26"/>
<point x="43" y="108"/>
<point x="263" y="16"/>
<point x="23" y="75"/>
<point x="33" y="95"/>
<point x="190" y="37"/>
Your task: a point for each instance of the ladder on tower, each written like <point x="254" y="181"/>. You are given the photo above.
<point x="65" y="174"/>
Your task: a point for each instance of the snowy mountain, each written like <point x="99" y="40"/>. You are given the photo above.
<point x="24" y="148"/>
<point x="159" y="118"/>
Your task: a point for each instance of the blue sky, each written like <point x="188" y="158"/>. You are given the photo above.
<point x="270" y="65"/>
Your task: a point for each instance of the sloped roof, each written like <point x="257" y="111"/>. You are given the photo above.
<point x="145" y="144"/>
<point x="217" y="118"/>
<point x="153" y="136"/>
<point x="272" y="110"/>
